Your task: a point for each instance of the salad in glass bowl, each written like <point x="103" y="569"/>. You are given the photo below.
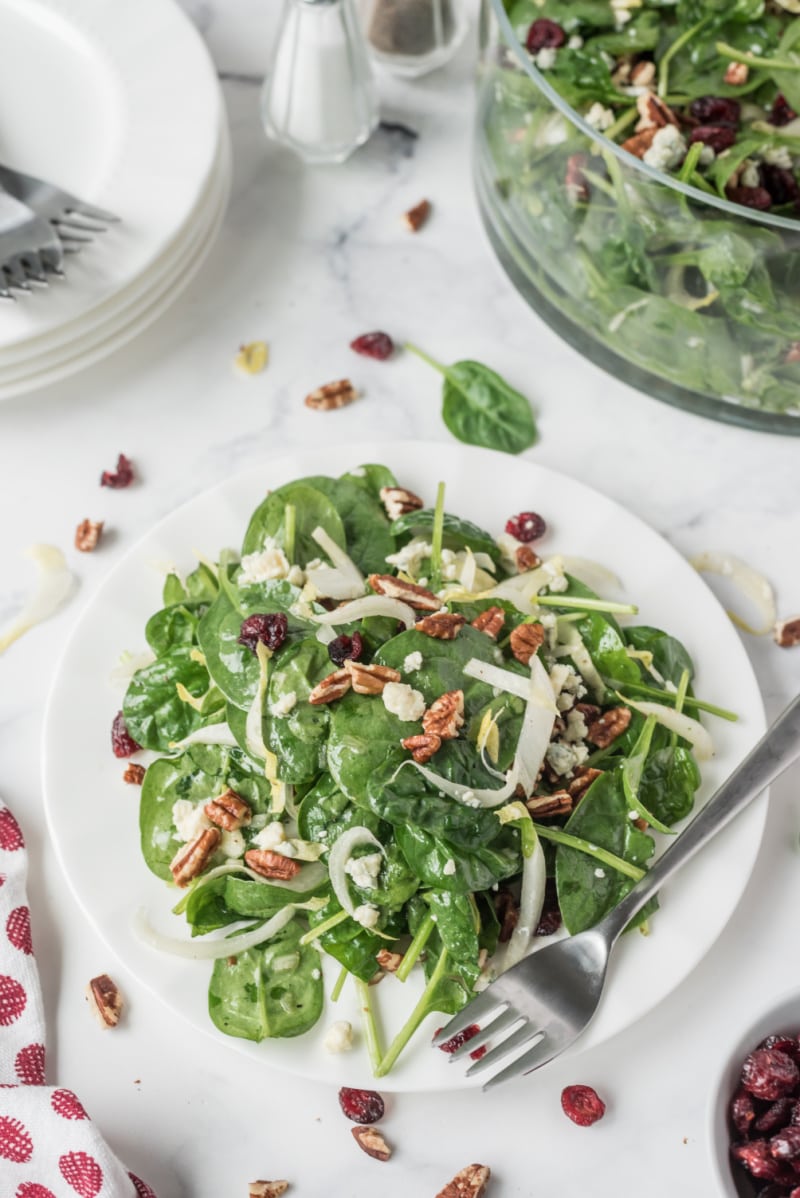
<point x="384" y="735"/>
<point x="636" y="167"/>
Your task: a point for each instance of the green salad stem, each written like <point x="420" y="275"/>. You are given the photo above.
<point x="592" y="850"/>
<point x="678" y="44"/>
<point x="607" y="605"/>
<point x="415" y="948"/>
<point x="327" y="925"/>
<point x="757" y="61"/>
<point x="338" y="985"/>
<point x="416" y="1017"/>
<point x="436" y="539"/>
<point x="370" y="1027"/>
<point x="669" y="698"/>
<point x="290" y="531"/>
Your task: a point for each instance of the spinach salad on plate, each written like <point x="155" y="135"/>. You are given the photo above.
<point x="384" y="735"/>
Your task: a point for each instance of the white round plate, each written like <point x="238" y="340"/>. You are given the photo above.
<point x="132" y="311"/>
<point x="93" y="816"/>
<point x="119" y="104"/>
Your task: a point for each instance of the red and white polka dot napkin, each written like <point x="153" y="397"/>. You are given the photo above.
<point x="49" y="1148"/>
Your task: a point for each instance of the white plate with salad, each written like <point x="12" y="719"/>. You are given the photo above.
<point x="359" y="767"/>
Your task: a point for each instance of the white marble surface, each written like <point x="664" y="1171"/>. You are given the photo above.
<point x="307" y="259"/>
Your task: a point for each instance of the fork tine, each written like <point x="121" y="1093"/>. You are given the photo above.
<point x="475" y="1010"/>
<point x="81" y="226"/>
<point x="505" y="1020"/>
<point x="34" y="267"/>
<point x="542" y="1052"/>
<point x="15" y="274"/>
<point x="518" y="1039"/>
<point x="82" y="209"/>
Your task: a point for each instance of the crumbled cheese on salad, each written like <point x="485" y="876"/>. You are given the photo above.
<point x="366" y="915"/>
<point x="403" y="701"/>
<point x="284" y="705"/>
<point x="600" y="117"/>
<point x="668" y="148"/>
<point x="189" y="819"/>
<point x="232" y="844"/>
<point x="364" y="870"/>
<point x="412" y="662"/>
<point x="272" y="837"/>
<point x="562" y="757"/>
<point x="339" y="1037"/>
<point x="265" y="564"/>
<point x="449" y="867"/>
<point x="546" y="58"/>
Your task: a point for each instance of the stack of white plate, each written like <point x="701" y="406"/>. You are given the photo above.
<point x="119" y="104"/>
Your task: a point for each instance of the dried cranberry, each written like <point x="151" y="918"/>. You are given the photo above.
<point x="718" y="137"/>
<point x="477" y="1053"/>
<point x="346" y="648"/>
<point x="121" y="477"/>
<point x="782" y="113"/>
<point x="582" y="1105"/>
<point x="743" y="1112"/>
<point x="122" y="742"/>
<point x="751" y="197"/>
<point x="715" y="110"/>
<point x="548" y="924"/>
<point x="773" y="1191"/>
<point x="526" y="527"/>
<point x="459" y="1038"/>
<point x="780" y="183"/>
<point x="769" y="1073"/>
<point x="757" y="1159"/>
<point x="785" y="1144"/>
<point x="775" y="1116"/>
<point x="374" y="345"/>
<point x="783" y="1042"/>
<point x="543" y="34"/>
<point x="362" y="1106"/>
<point x="795" y="1193"/>
<point x="270" y="628"/>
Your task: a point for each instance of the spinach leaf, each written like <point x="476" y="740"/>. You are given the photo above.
<point x="348" y="942"/>
<point x="669" y="783"/>
<point x="298" y="738"/>
<point x="172" y="626"/>
<point x="366" y="526"/>
<point x="312" y="510"/>
<point x="457" y="923"/>
<point x="478" y="866"/>
<point x="155" y="713"/>
<point x="607" y="648"/>
<point x="198" y="774"/>
<point x="602" y="817"/>
<point x="273" y="990"/>
<point x="372" y="477"/>
<point x="481" y="408"/>
<point x="456" y="533"/>
<point x="325" y="813"/>
<point x="670" y="658"/>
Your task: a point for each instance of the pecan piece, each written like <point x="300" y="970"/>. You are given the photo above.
<point x="736" y="74"/>
<point x="331" y="688"/>
<point x="643" y="74"/>
<point x="445" y="715"/>
<point x="370" y="680"/>
<point x="370" y="1140"/>
<point x="134" y="774"/>
<point x="547" y="806"/>
<point x="272" y="865"/>
<point x="331" y="395"/>
<point x="408" y="592"/>
<point x="422" y="748"/>
<point x="415" y="218"/>
<point x="787" y="633"/>
<point x="507" y="913"/>
<point x="229" y="811"/>
<point x="589" y="711"/>
<point x="525" y="640"/>
<point x="105" y="999"/>
<point x="399" y="501"/>
<point x="607" y="727"/>
<point x="653" y="113"/>
<point x="469" y="1183"/>
<point x="583" y="777"/>
<point x="640" y="143"/>
<point x="192" y="858"/>
<point x="87" y="534"/>
<point x="388" y="960"/>
<point x="526" y="559"/>
<point x="267" y="1189"/>
<point x="490" y="621"/>
<point x="443" y="625"/>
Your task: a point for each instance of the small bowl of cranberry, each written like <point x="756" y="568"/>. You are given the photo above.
<point x="755" y="1114"/>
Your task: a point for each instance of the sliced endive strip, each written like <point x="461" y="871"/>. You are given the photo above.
<point x="253" y="730"/>
<point x="632" y="770"/>
<point x="500" y="679"/>
<point x="340" y="854"/>
<point x="534" y="878"/>
<point x="345" y="580"/>
<point x="572" y="646"/>
<point x="368" y="605"/>
<point x="54" y="584"/>
<point x="677" y="721"/>
<point x="210" y="734"/>
<point x="749" y="582"/>
<point x="210" y="950"/>
<point x="537" y="726"/>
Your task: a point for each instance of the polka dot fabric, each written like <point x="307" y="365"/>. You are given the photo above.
<point x="49" y="1147"/>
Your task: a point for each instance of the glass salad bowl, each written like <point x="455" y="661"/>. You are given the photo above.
<point x="675" y="290"/>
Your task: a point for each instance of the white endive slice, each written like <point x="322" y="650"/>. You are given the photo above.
<point x="748" y="582"/>
<point x="500" y="679"/>
<point x="210" y="950"/>
<point x="470" y="796"/>
<point x="591" y="574"/>
<point x="340" y="854"/>
<point x="531" y="902"/>
<point x="537" y="726"/>
<point x="212" y="734"/>
<point x="677" y="721"/>
<point x="368" y="605"/>
<point x="253" y="730"/>
<point x="345" y="580"/>
<point x="54" y="584"/>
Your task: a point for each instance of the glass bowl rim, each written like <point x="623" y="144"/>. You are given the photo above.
<point x="626" y="159"/>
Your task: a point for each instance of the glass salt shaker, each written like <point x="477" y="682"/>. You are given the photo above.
<point x="412" y="37"/>
<point x="319" y="97"/>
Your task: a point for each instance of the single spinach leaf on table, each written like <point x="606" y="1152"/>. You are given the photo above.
<point x="602" y="817"/>
<point x="156" y="715"/>
<point x="298" y="738"/>
<point x="198" y="774"/>
<point x="366" y="525"/>
<point x="312" y="510"/>
<point x="274" y="990"/>
<point x="481" y="408"/>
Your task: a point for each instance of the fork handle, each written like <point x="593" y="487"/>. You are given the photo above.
<point x="778" y="748"/>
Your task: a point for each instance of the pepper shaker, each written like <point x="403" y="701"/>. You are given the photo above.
<point x="412" y="37"/>
<point x="319" y="97"/>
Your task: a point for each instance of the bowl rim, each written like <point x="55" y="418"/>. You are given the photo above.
<point x="626" y="159"/>
<point x="718" y="1136"/>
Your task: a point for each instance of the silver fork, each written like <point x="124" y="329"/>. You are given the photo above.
<point x="546" y="1001"/>
<point x="29" y="247"/>
<point x="75" y="221"/>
